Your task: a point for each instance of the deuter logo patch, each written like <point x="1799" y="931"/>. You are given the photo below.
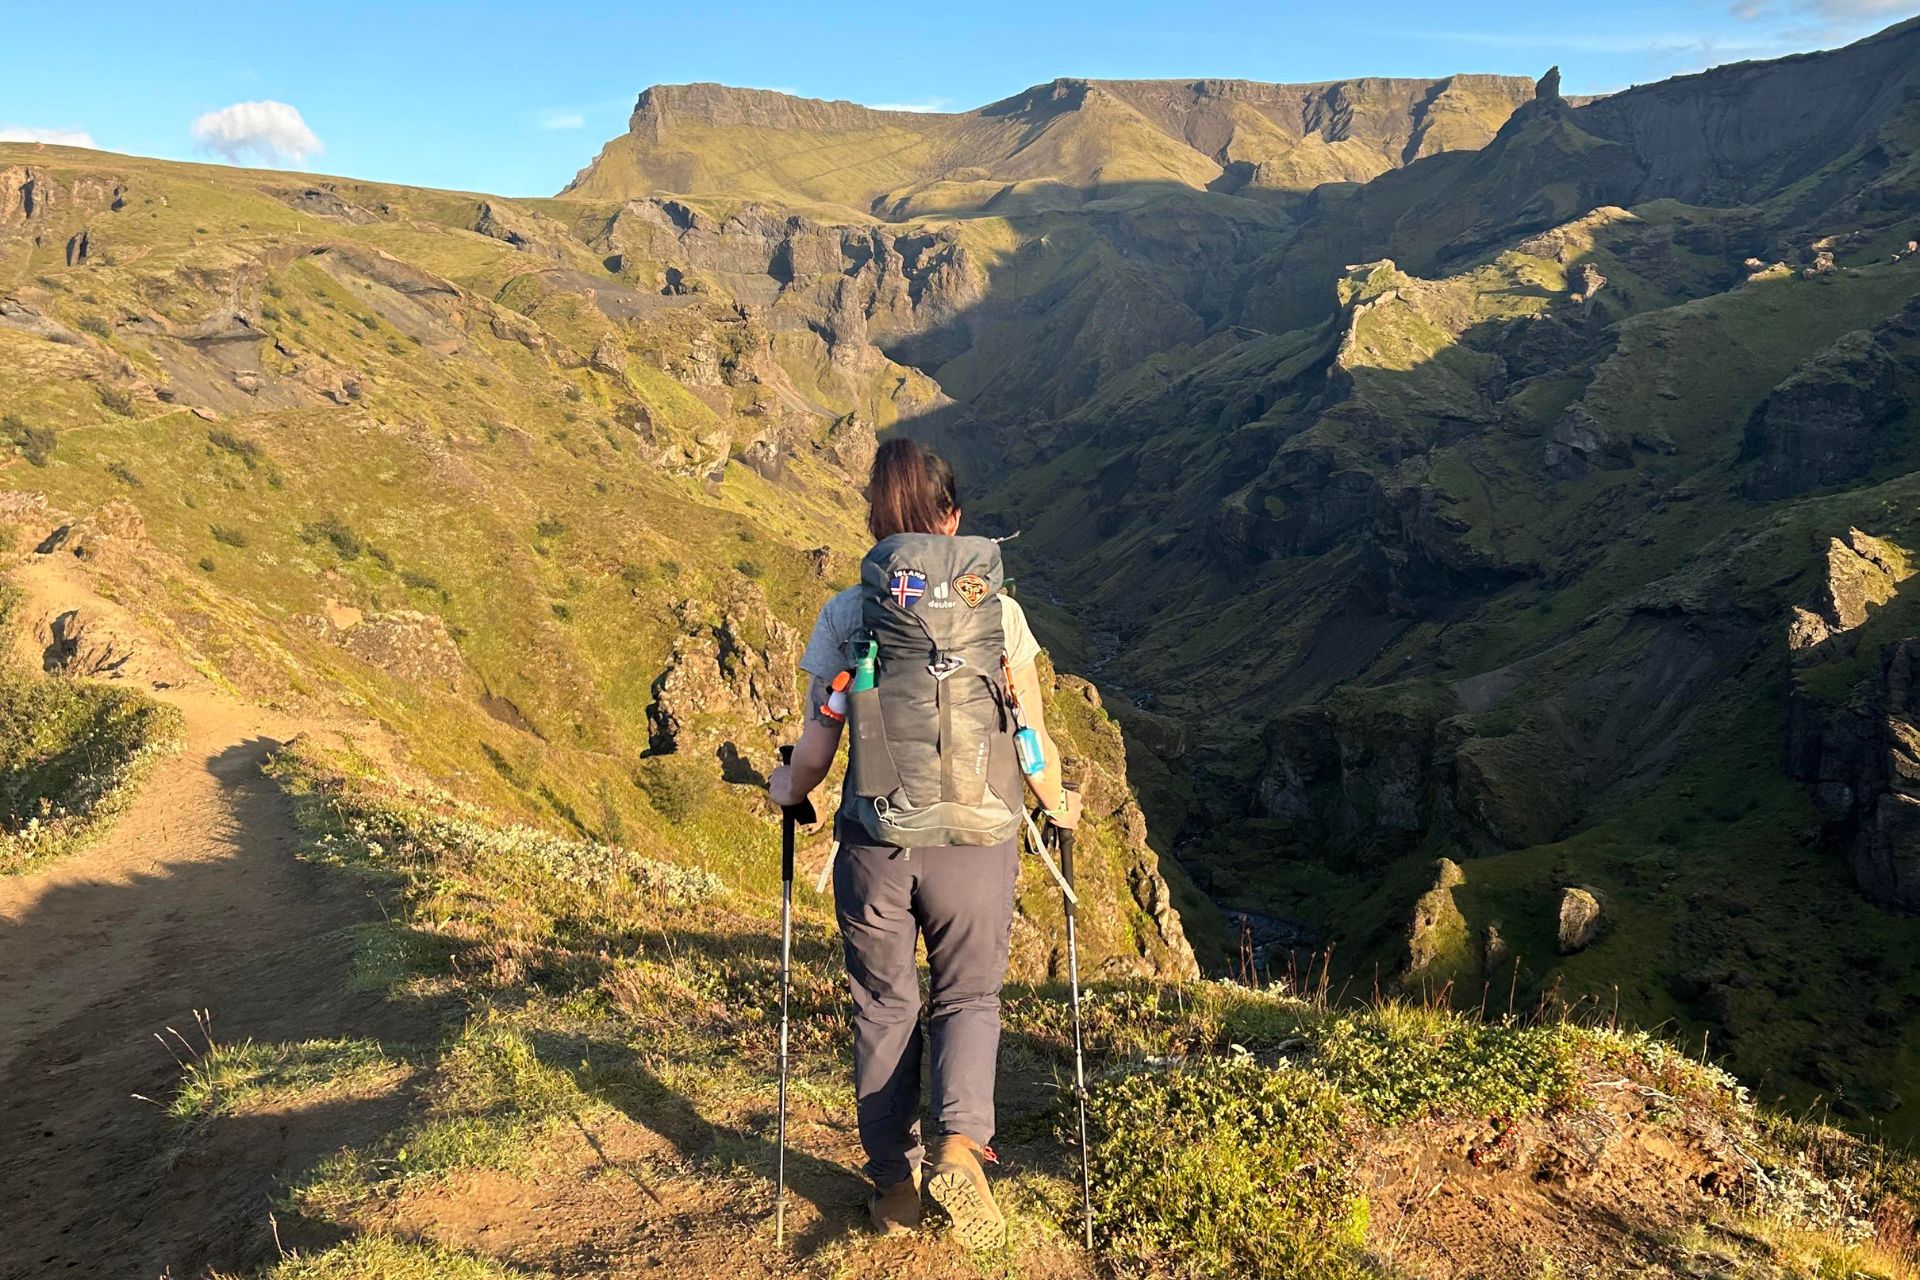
<point x="972" y="588"/>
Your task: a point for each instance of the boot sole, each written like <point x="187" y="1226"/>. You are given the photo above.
<point x="976" y="1222"/>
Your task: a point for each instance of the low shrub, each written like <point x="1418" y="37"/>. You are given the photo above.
<point x="1222" y="1166"/>
<point x="337" y="533"/>
<point x="1403" y="1062"/>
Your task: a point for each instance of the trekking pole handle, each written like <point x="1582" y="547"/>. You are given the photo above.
<point x="792" y="815"/>
<point x="1063" y="837"/>
<point x="801" y="811"/>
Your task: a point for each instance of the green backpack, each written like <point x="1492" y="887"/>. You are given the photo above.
<point x="931" y="758"/>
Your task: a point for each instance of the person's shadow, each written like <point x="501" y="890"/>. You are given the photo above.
<point x="612" y="1070"/>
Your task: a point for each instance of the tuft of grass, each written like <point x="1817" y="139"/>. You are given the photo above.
<point x="246" y="450"/>
<point x="676" y="788"/>
<point x="229" y="1077"/>
<point x="383" y="1257"/>
<point x="337" y="533"/>
<point x="34" y="441"/>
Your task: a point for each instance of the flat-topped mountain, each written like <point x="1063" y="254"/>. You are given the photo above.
<point x="1066" y="141"/>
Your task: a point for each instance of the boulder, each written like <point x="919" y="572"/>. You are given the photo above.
<point x="1495" y="951"/>
<point x="1580" y="919"/>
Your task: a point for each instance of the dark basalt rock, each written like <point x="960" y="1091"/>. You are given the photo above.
<point x="1829" y="423"/>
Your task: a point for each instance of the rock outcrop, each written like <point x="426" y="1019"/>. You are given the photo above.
<point x="861" y="283"/>
<point x="1839" y="415"/>
<point x="1861" y="574"/>
<point x="733" y="670"/>
<point x="1437" y="942"/>
<point x="410" y="646"/>
<point x="523" y="230"/>
<point x="1859" y="751"/>
<point x="1368" y="775"/>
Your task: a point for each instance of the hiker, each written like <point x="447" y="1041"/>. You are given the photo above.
<point x="927" y="828"/>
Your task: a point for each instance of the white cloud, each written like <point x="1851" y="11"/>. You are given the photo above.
<point x="1659" y="44"/>
<point x="1832" y="10"/>
<point x="926" y="106"/>
<point x="556" y="118"/>
<point x="270" y="131"/>
<point x="58" y="137"/>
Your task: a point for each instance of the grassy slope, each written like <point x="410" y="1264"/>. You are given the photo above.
<point x="491" y="482"/>
<point x="611" y="1055"/>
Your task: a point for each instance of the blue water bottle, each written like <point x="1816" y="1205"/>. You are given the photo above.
<point x="1026" y="746"/>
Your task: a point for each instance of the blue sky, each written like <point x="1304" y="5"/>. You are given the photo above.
<point x="514" y="98"/>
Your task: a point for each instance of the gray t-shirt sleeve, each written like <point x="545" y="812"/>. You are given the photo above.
<point x="826" y="652"/>
<point x="839" y="621"/>
<point x="1022" y="648"/>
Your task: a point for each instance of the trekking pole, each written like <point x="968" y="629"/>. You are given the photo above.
<point x="1063" y="841"/>
<point x="790" y="816"/>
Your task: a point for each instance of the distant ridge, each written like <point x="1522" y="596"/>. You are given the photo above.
<point x="1068" y="139"/>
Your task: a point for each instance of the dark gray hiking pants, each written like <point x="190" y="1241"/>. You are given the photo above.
<point x="961" y="900"/>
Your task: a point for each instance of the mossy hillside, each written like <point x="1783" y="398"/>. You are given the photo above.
<point x="1604" y="553"/>
<point x="1417" y="365"/>
<point x="1591" y="559"/>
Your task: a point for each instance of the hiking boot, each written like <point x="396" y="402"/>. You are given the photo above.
<point x="958" y="1185"/>
<point x="896" y="1209"/>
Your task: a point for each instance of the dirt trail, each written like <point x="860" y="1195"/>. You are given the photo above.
<point x="192" y="901"/>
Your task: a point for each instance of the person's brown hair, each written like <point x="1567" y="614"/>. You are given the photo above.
<point x="911" y="490"/>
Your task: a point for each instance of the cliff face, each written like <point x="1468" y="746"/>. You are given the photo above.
<point x="1853" y="731"/>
